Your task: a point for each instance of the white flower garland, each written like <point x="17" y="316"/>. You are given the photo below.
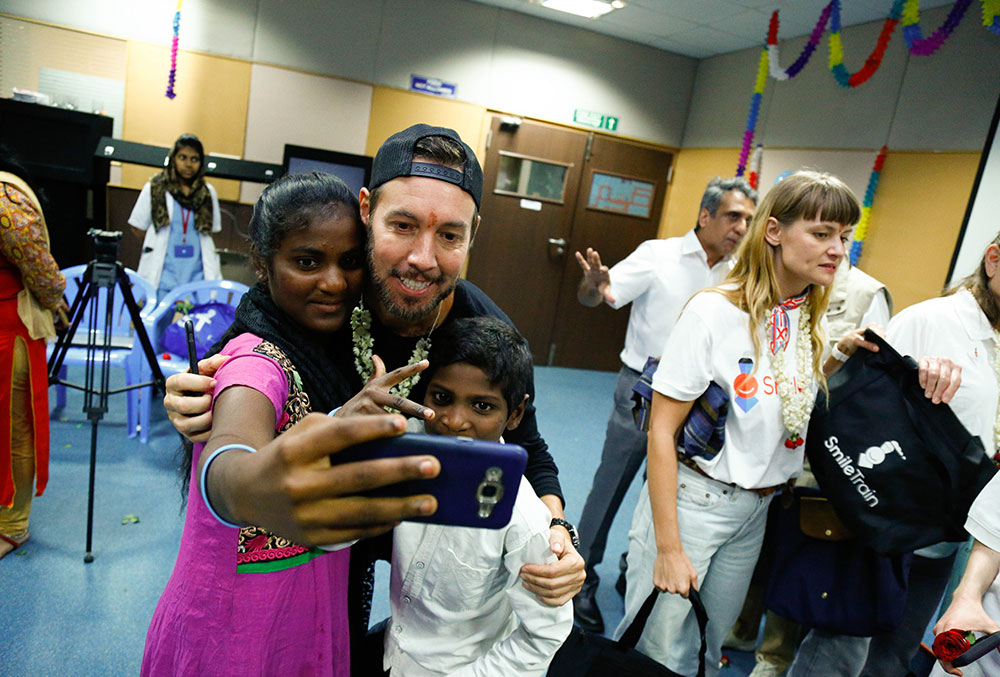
<point x="361" y="326"/>
<point x="796" y="402"/>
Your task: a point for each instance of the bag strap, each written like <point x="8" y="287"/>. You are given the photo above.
<point x="631" y="636"/>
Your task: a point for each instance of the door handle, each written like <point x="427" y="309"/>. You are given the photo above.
<point x="559" y="244"/>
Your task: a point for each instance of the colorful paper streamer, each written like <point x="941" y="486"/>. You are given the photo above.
<point x="758" y="95"/>
<point x="756" y="162"/>
<point x="779" y="73"/>
<point x="861" y="230"/>
<point x="874" y="60"/>
<point x="172" y="77"/>
<point x="915" y="40"/>
<point x="905" y="11"/>
<point x="991" y="16"/>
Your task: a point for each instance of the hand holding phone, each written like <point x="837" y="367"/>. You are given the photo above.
<point x="477" y="485"/>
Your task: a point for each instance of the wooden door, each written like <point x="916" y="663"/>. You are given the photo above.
<point x="618" y="207"/>
<point x="523" y="255"/>
<point x="531" y="178"/>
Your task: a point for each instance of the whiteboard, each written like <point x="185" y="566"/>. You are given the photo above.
<point x="981" y="222"/>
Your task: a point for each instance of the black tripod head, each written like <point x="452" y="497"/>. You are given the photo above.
<point x="105" y="244"/>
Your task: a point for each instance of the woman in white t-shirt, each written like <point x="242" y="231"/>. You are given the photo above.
<point x="184" y="210"/>
<point x="760" y="338"/>
<point x="964" y="325"/>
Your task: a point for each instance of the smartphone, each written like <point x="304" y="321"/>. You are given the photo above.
<point x="477" y="485"/>
<point x="192" y="351"/>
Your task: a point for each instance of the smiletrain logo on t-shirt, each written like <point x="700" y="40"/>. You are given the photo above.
<point x="746" y="387"/>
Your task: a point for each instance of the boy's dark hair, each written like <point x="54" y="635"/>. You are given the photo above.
<point x="489" y="344"/>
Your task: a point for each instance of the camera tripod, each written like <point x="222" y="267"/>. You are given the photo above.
<point x="107" y="273"/>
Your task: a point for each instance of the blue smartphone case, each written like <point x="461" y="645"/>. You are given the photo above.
<point x="477" y="485"/>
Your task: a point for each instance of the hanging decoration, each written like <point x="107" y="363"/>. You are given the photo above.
<point x="861" y="230"/>
<point x="173" y="51"/>
<point x="915" y="40"/>
<point x="906" y="12"/>
<point x="874" y="60"/>
<point x="756" y="161"/>
<point x="779" y="73"/>
<point x="991" y="16"/>
<point x="758" y="95"/>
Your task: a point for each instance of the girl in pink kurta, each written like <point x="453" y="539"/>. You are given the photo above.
<point x="243" y="601"/>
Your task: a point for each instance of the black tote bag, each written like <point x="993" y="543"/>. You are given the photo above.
<point x="900" y="471"/>
<point x="584" y="654"/>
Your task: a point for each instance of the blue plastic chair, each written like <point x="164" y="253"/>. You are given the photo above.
<point x="126" y="352"/>
<point x="200" y="291"/>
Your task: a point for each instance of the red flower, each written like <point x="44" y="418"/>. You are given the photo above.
<point x="951" y="644"/>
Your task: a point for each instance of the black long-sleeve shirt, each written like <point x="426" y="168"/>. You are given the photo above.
<point x="471" y="301"/>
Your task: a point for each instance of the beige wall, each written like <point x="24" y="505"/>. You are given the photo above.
<point x="393" y="110"/>
<point x="212" y="95"/>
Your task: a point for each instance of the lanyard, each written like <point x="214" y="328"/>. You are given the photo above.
<point x="185" y="220"/>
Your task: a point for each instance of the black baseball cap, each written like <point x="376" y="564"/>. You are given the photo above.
<point x="395" y="159"/>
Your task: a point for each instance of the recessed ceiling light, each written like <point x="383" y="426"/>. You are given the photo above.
<point x="589" y="9"/>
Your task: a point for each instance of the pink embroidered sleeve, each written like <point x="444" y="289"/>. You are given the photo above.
<point x="21" y="243"/>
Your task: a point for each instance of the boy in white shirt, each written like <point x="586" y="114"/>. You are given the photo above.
<point x="457" y="605"/>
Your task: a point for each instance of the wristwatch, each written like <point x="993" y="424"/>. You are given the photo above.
<point x="573" y="536"/>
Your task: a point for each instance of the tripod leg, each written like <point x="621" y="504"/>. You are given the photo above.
<point x="140" y="328"/>
<point x="88" y="556"/>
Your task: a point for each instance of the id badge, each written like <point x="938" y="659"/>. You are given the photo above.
<point x="183" y="251"/>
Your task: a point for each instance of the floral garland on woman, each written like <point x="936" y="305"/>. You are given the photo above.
<point x="795" y="391"/>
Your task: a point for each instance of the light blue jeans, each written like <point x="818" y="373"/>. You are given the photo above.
<point x="721" y="530"/>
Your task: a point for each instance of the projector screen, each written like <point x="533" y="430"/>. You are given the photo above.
<point x="982" y="217"/>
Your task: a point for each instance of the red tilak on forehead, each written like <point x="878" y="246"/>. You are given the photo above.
<point x="432" y="220"/>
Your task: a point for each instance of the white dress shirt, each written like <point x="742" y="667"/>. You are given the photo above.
<point x="657" y="279"/>
<point x="458" y="606"/>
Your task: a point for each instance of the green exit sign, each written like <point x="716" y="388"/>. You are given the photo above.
<point x="596" y="120"/>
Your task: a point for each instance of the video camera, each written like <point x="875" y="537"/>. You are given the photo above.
<point x="105" y="244"/>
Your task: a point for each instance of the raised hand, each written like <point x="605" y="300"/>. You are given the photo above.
<point x="595" y="286"/>
<point x="375" y="396"/>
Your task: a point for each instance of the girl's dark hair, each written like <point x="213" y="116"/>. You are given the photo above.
<point x="188" y="141"/>
<point x="489" y="344"/>
<point x="292" y="203"/>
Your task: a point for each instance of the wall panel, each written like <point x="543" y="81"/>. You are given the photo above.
<point x="304" y="110"/>
<point x="393" y="110"/>
<point x="212" y="99"/>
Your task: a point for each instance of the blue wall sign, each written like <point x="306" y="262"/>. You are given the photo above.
<point x="432" y="86"/>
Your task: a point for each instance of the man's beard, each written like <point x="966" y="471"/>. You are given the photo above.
<point x="388" y="302"/>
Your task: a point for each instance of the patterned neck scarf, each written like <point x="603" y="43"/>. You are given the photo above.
<point x="780" y="325"/>
<point x="199" y="200"/>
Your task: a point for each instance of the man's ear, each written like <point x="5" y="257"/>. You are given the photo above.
<point x="515" y="417"/>
<point x="703" y="217"/>
<point x="365" y="204"/>
<point x="772" y="232"/>
<point x="475" y="229"/>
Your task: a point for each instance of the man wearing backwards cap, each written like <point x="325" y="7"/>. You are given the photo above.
<point x="421" y="211"/>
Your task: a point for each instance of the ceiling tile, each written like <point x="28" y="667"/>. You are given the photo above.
<point x="646" y="20"/>
<point x="702" y="28"/>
